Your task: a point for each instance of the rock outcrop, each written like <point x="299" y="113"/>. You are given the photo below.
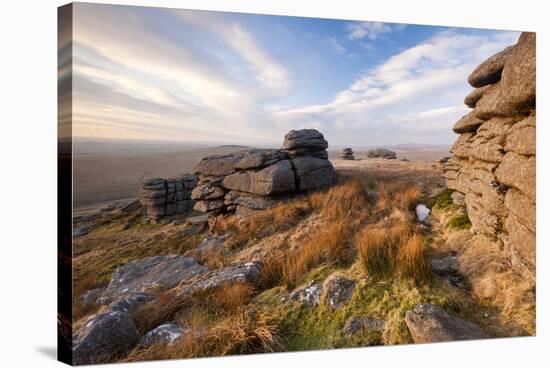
<point x="167" y="197"/>
<point x="493" y="163"/>
<point x="347" y="154"/>
<point x="382" y="153"/>
<point x="255" y="179"/>
<point x="429" y="323"/>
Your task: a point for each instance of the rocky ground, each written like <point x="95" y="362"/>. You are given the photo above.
<point x="352" y="265"/>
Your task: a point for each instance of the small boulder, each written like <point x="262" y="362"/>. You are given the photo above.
<point x="429" y="323"/>
<point x="363" y="324"/>
<point x="310" y="295"/>
<point x="167" y="333"/>
<point x="337" y="290"/>
<point x="103" y="337"/>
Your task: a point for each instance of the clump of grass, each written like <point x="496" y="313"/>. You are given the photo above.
<point x="384" y="252"/>
<point x="247" y="332"/>
<point x="412" y="260"/>
<point x="271" y="272"/>
<point x="227" y="299"/>
<point x="398" y="194"/>
<point x="331" y="244"/>
<point x="460" y="222"/>
<point x="162" y="309"/>
<point x="345" y="200"/>
<point x="444" y="200"/>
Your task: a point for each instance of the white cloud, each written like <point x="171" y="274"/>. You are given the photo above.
<point x="422" y="86"/>
<point x="370" y="30"/>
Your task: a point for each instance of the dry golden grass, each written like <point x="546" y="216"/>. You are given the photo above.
<point x="412" y="260"/>
<point x="264" y="223"/>
<point x="271" y="272"/>
<point x="492" y="278"/>
<point x="397" y="194"/>
<point x="330" y="244"/>
<point x="344" y="201"/>
<point x="247" y="332"/>
<point x="157" y="312"/>
<point x="227" y="299"/>
<point x="395" y="250"/>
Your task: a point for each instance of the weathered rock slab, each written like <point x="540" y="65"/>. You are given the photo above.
<point x="152" y="272"/>
<point x="429" y="323"/>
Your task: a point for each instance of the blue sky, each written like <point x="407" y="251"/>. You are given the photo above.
<point x="196" y="76"/>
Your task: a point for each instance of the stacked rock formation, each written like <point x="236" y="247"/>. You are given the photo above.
<point x="493" y="165"/>
<point x="347" y="154"/>
<point x="257" y="178"/>
<point x="167" y="197"/>
<point x="382" y="153"/>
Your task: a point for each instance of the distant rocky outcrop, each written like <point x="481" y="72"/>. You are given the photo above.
<point x="382" y="153"/>
<point x="347" y="154"/>
<point x="167" y="197"/>
<point x="493" y="163"/>
<point x="255" y="179"/>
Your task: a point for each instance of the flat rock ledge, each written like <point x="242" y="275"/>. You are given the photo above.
<point x="429" y="323"/>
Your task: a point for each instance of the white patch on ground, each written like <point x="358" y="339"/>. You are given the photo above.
<point x="422" y="212"/>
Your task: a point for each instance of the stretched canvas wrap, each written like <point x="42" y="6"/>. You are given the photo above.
<point x="242" y="184"/>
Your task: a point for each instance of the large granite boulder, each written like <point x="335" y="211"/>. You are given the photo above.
<point x="104" y="337"/>
<point x="313" y="173"/>
<point x="490" y="70"/>
<point x="430" y="323"/>
<point x="306" y="139"/>
<point x="515" y="93"/>
<point x="152" y="272"/>
<point x="274" y="179"/>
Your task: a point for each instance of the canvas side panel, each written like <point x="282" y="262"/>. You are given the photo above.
<point x="64" y="183"/>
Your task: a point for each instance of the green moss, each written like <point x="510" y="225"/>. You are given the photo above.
<point x="460" y="222"/>
<point x="311" y="328"/>
<point x="443" y="200"/>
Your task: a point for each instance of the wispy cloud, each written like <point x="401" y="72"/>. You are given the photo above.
<point x="336" y="46"/>
<point x="370" y="30"/>
<point x="204" y="76"/>
<point x="422" y="86"/>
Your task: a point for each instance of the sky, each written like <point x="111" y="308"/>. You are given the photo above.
<point x="149" y="73"/>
